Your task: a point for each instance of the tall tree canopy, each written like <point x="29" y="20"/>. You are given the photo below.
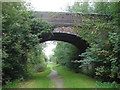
<point x="82" y="7"/>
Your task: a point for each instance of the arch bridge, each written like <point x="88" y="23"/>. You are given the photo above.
<point x="62" y="22"/>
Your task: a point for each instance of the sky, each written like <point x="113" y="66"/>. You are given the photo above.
<point x="57" y="5"/>
<point x="51" y="5"/>
<point x="48" y="50"/>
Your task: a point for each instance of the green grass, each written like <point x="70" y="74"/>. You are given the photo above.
<point x="13" y="84"/>
<point x="51" y="64"/>
<point x="74" y="80"/>
<point x="70" y="80"/>
<point x="107" y="85"/>
<point x="38" y="80"/>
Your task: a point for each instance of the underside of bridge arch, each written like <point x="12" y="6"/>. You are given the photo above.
<point x="66" y="37"/>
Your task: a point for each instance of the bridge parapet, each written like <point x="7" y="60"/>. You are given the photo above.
<point x="65" y="18"/>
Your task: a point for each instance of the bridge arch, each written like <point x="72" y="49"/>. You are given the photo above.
<point x="66" y="19"/>
<point x="66" y="37"/>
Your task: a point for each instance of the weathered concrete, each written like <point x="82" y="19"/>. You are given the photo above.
<point x="66" y="18"/>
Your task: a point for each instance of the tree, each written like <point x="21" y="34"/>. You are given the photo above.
<point x="20" y="34"/>
<point x="82" y="7"/>
<point x="104" y="40"/>
<point x="64" y="54"/>
<point x="37" y="60"/>
<point x="108" y="8"/>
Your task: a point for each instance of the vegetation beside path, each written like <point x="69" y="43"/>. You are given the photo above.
<point x="22" y="53"/>
<point x="38" y="80"/>
<point x="78" y="80"/>
<point x="70" y="80"/>
<point x="74" y="80"/>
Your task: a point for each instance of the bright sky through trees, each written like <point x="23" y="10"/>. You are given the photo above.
<point x="51" y="5"/>
<point x="58" y="5"/>
<point x="48" y="50"/>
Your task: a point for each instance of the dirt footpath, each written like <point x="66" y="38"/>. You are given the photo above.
<point x="55" y="78"/>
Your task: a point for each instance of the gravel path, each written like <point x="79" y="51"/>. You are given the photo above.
<point x="55" y="78"/>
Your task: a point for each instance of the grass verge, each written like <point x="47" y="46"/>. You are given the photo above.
<point x="13" y="84"/>
<point x="74" y="80"/>
<point x="38" y="80"/>
<point x="107" y="85"/>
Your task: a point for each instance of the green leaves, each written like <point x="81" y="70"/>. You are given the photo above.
<point x="64" y="54"/>
<point x="20" y="35"/>
<point x="78" y="7"/>
<point x="104" y="40"/>
<point x="36" y="59"/>
<point x="40" y="27"/>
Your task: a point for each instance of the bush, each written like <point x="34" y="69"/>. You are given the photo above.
<point x="19" y="35"/>
<point x="37" y="61"/>
<point x="103" y="37"/>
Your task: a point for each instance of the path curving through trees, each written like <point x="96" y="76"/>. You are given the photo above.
<point x="55" y="78"/>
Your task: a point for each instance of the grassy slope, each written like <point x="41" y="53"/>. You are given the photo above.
<point x="39" y="80"/>
<point x="13" y="84"/>
<point x="70" y="80"/>
<point x="73" y="80"/>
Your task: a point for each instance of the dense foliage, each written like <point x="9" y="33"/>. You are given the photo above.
<point x="104" y="39"/>
<point x="22" y="53"/>
<point x="64" y="54"/>
<point x="82" y="7"/>
<point x="19" y="38"/>
<point x="37" y="60"/>
<point x="108" y="8"/>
